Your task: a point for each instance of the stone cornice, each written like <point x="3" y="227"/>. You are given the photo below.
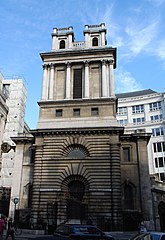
<point x="78" y="101"/>
<point x="75" y="131"/>
<point x="135" y="137"/>
<point x="24" y="138"/>
<point x="78" y="52"/>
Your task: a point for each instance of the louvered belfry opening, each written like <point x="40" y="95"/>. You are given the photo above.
<point x="77" y="83"/>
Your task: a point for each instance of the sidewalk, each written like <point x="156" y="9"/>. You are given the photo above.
<point x="26" y="233"/>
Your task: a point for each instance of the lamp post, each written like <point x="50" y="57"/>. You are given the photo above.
<point x="15" y="200"/>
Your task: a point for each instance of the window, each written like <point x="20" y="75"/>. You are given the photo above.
<point x="95" y="111"/>
<point x="77" y="83"/>
<point x="162" y="178"/>
<point x="159" y="147"/>
<point x="95" y="41"/>
<point x="126" y="154"/>
<point x="138" y="109"/>
<point x="59" y="113"/>
<point x="156" y="118"/>
<point x="157" y="131"/>
<point x="155" y="106"/>
<point x="32" y="154"/>
<point x="122" y="122"/>
<point x="6" y="90"/>
<point x="76" y="151"/>
<point x="5" y="193"/>
<point x="159" y="162"/>
<point x="62" y="44"/>
<point x="138" y="120"/>
<point x="76" y="112"/>
<point x="122" y="111"/>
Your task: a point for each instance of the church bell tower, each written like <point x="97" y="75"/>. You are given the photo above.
<point x="78" y="80"/>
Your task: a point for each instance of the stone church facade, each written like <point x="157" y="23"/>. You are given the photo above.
<point x="85" y="168"/>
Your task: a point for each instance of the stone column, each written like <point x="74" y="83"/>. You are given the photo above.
<point x="104" y="82"/>
<point x="86" y="94"/>
<point x="108" y="77"/>
<point x="44" y="82"/>
<point x="67" y="94"/>
<point x="111" y="79"/>
<point x="51" y="82"/>
<point x="115" y="172"/>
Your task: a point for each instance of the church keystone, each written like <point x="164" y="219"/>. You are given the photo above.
<point x="78" y="166"/>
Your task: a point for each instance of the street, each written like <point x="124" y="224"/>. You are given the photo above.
<point x="116" y="235"/>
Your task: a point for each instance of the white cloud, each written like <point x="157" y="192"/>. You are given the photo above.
<point x="125" y="82"/>
<point x="156" y="2"/>
<point x="160" y="49"/>
<point x="139" y="37"/>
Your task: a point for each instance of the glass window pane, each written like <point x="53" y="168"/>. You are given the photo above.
<point x="95" y="111"/>
<point x="161" y="162"/>
<point x="156" y="162"/>
<point x="155" y="148"/>
<point x="59" y="113"/>
<point x="163" y="144"/>
<point x="76" y="112"/>
<point x="159" y="148"/>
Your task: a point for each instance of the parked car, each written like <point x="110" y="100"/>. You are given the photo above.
<point x="77" y="231"/>
<point x="150" y="236"/>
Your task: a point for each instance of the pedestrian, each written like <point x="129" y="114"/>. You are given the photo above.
<point x="10" y="229"/>
<point x="2" y="227"/>
<point x="142" y="227"/>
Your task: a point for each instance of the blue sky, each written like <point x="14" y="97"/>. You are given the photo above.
<point x="135" y="27"/>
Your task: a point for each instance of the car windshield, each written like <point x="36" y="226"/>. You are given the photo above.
<point x="86" y="230"/>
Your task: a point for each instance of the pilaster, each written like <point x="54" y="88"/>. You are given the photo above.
<point x="37" y="182"/>
<point x="115" y="183"/>
<point x="111" y="78"/>
<point x="51" y="82"/>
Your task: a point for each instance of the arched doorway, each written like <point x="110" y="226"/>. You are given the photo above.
<point x="75" y="186"/>
<point x="131" y="216"/>
<point x="161" y="211"/>
<point x="75" y="207"/>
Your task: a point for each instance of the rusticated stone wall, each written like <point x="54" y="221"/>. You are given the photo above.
<point x="98" y="170"/>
